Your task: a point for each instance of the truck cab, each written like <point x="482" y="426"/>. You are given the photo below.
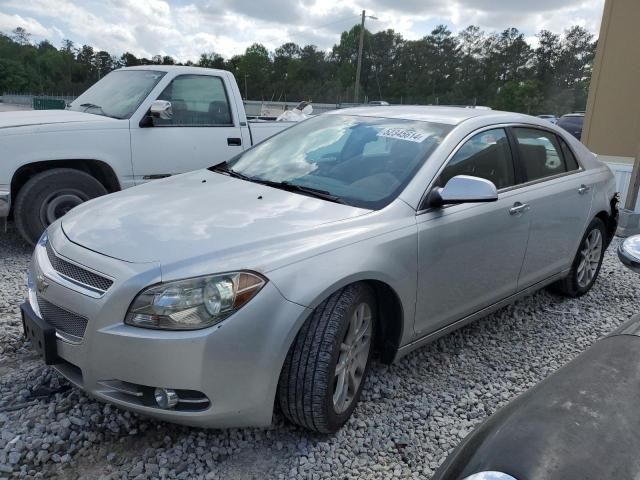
<point x="135" y="125"/>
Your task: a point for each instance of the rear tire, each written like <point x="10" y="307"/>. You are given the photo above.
<point x="49" y="195"/>
<point x="327" y="365"/>
<point x="586" y="264"/>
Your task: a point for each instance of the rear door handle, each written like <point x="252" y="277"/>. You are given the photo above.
<point x="234" y="142"/>
<point x="583" y="189"/>
<point x="518" y="208"/>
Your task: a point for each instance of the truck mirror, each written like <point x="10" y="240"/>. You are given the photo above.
<point x="161" y="109"/>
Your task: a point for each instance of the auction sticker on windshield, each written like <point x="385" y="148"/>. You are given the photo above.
<point x="408" y="134"/>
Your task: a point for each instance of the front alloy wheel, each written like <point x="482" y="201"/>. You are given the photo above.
<point x="327" y="365"/>
<point x="354" y="355"/>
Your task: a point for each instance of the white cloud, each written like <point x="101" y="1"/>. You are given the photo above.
<point x="186" y="28"/>
<point x="9" y="23"/>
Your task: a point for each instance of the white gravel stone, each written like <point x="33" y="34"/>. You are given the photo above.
<point x="411" y="415"/>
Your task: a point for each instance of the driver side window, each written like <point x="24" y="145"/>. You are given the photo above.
<point x="486" y="155"/>
<point x="196" y="101"/>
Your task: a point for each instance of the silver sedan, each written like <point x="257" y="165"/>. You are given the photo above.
<point x="207" y="297"/>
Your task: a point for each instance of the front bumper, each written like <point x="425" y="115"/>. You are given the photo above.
<point x="235" y="365"/>
<point x="5" y="203"/>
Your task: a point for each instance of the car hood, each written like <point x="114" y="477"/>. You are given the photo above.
<point x="29" y="118"/>
<point x="202" y="216"/>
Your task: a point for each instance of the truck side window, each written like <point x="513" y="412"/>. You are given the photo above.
<point x="196" y="100"/>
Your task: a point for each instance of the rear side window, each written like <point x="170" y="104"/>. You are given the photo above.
<point x="569" y="157"/>
<point x="486" y="155"/>
<point x="196" y="100"/>
<point x="539" y="153"/>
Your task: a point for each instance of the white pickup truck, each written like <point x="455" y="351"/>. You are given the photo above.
<point x="134" y="125"/>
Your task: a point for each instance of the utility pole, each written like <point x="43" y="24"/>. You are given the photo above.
<point x="356" y="89"/>
<point x="245" y="87"/>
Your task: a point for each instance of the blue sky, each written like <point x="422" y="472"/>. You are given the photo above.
<point x="185" y="28"/>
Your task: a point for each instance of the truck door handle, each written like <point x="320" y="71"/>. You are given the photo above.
<point x="583" y="189"/>
<point x="234" y="142"/>
<point x="518" y="208"/>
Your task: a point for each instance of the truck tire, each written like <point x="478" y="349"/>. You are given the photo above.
<point x="327" y="365"/>
<point x="48" y="195"/>
<point x="586" y="264"/>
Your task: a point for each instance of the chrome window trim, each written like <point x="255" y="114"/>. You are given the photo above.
<point x="507" y="189"/>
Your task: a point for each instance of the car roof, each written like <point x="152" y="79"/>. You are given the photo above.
<point x="574" y="115"/>
<point x="446" y="115"/>
<point x="169" y="68"/>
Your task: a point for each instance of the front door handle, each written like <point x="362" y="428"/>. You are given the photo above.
<point x="234" y="142"/>
<point x="518" y="208"/>
<point x="583" y="189"/>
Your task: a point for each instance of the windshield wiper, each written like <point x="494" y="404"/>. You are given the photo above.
<point x="312" y="192"/>
<point x="289" y="187"/>
<point x="222" y="167"/>
<point x="87" y="106"/>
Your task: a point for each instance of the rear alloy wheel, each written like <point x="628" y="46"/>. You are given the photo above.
<point x="586" y="264"/>
<point x="327" y="365"/>
<point x="590" y="256"/>
<point x="48" y="196"/>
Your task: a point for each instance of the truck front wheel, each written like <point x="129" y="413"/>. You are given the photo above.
<point x="48" y="195"/>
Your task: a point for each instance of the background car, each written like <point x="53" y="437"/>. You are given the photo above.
<point x="572" y="123"/>
<point x="550" y="118"/>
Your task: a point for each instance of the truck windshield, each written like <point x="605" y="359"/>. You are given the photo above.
<point x="118" y="94"/>
<point x="361" y="161"/>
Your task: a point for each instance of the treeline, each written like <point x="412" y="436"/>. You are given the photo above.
<point x="500" y="70"/>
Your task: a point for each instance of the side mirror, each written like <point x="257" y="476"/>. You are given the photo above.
<point x="161" y="109"/>
<point x="629" y="253"/>
<point x="463" y="189"/>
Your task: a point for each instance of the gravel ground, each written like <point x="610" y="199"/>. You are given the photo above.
<point x="410" y="418"/>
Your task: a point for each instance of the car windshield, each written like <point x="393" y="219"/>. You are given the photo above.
<point x="118" y="94"/>
<point x="360" y="161"/>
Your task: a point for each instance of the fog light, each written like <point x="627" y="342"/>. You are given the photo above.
<point x="165" y="397"/>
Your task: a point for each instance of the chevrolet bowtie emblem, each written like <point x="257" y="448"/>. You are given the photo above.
<point x="41" y="284"/>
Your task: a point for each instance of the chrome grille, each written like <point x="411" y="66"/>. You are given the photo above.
<point x="61" y="319"/>
<point x="77" y="273"/>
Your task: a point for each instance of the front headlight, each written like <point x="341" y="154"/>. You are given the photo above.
<point x="193" y="303"/>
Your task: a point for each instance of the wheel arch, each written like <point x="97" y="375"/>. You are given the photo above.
<point x="391" y="315"/>
<point x="98" y="169"/>
<point x="610" y="220"/>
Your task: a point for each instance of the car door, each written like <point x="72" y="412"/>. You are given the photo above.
<point x="470" y="255"/>
<point x="559" y="196"/>
<point x="201" y="131"/>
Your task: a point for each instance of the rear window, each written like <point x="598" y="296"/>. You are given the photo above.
<point x="573" y="121"/>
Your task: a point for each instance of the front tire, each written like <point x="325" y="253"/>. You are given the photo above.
<point x="327" y="365"/>
<point x="48" y="196"/>
<point x="586" y="264"/>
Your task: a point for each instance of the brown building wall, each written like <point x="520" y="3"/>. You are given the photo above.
<point x="612" y="123"/>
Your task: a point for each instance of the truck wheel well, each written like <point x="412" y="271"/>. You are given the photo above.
<point x="390" y="320"/>
<point x="101" y="171"/>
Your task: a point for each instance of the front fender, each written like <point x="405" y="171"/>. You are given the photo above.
<point x="390" y="258"/>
